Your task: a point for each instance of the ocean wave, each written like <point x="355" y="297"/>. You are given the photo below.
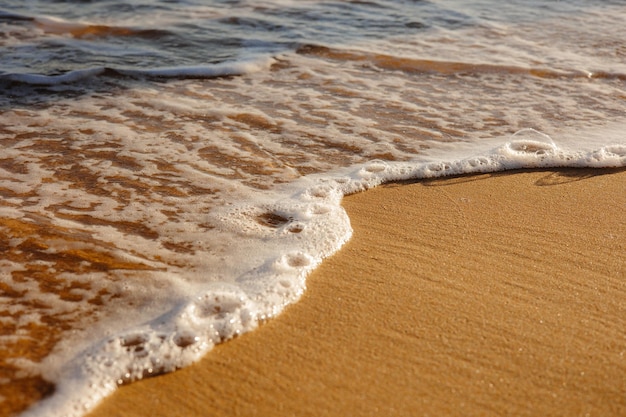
<point x="10" y="16"/>
<point x="222" y="69"/>
<point x="428" y="66"/>
<point x="82" y="30"/>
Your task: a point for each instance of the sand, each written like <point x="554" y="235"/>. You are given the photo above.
<point x="499" y="294"/>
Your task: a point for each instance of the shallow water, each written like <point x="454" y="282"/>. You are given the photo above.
<point x="171" y="171"/>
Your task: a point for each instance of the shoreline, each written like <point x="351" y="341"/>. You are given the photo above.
<point x="477" y="295"/>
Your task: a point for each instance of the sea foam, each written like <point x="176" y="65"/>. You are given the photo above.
<point x="306" y="224"/>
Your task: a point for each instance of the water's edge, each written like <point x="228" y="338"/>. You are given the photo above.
<point x="309" y="214"/>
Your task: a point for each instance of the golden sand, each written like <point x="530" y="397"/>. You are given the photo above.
<point x="500" y="294"/>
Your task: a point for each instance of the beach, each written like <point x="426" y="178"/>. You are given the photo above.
<point x="494" y="294"/>
<point x="171" y="186"/>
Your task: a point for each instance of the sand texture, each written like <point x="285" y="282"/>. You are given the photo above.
<point x="499" y="294"/>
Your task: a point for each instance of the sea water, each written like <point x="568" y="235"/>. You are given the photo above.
<point x="171" y="171"/>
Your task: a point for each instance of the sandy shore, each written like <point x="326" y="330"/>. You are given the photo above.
<point x="499" y="294"/>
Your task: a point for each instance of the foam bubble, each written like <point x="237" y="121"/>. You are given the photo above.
<point x="531" y="142"/>
<point x="295" y="260"/>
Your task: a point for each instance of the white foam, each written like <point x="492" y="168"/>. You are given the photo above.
<point x="311" y="226"/>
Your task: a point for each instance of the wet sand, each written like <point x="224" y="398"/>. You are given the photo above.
<point x="499" y="294"/>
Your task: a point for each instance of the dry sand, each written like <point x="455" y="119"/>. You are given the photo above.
<point x="500" y="294"/>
